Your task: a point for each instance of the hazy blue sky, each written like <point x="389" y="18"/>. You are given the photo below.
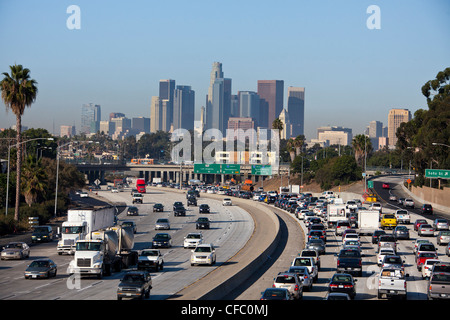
<point x="351" y="74"/>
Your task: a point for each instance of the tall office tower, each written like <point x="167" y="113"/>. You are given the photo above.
<point x="183" y="108"/>
<point x="90" y="118"/>
<point x="108" y="127"/>
<point x="244" y="124"/>
<point x="166" y="90"/>
<point x="249" y="105"/>
<point x="140" y="124"/>
<point x="271" y="98"/>
<point x="296" y="108"/>
<point x="375" y="129"/>
<point x="395" y="118"/>
<point x="284" y="116"/>
<point x="226" y="103"/>
<point x="155" y="114"/>
<point x="212" y="112"/>
<point x="235" y="109"/>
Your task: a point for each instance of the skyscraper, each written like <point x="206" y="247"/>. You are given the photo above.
<point x="218" y="101"/>
<point x="166" y="91"/>
<point x="155" y="114"/>
<point x="183" y="108"/>
<point x="90" y="118"/>
<point x="296" y="108"/>
<point x="395" y="118"/>
<point x="271" y="99"/>
<point x="249" y="105"/>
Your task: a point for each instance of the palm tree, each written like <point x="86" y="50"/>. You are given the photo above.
<point x="34" y="180"/>
<point x="18" y="92"/>
<point x="290" y="146"/>
<point x="299" y="141"/>
<point x="277" y="124"/>
<point x="361" y="144"/>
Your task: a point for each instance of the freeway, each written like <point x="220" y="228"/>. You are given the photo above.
<point x="231" y="228"/>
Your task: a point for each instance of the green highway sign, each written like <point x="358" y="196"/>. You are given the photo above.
<point x="212" y="168"/>
<point x="230" y="168"/>
<point x="370" y="184"/>
<point x="216" y="168"/>
<point x="262" y="170"/>
<point x="437" y="173"/>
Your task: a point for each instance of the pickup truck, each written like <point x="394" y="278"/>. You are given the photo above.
<point x="392" y="282"/>
<point x="137" y="198"/>
<point x="135" y="284"/>
<point x="349" y="261"/>
<point x="388" y="220"/>
<point x="403" y="216"/>
<point x="150" y="258"/>
<point x="439" y="286"/>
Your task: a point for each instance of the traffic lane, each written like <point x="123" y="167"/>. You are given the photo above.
<point x="229" y="228"/>
<point x="64" y="288"/>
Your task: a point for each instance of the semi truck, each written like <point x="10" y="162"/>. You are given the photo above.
<point x="368" y="221"/>
<point x="140" y="185"/>
<point x="82" y="221"/>
<point x="103" y="252"/>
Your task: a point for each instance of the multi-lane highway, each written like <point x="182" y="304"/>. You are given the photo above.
<point x="234" y="233"/>
<point x="231" y="228"/>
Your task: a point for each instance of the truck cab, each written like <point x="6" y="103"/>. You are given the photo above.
<point x="71" y="232"/>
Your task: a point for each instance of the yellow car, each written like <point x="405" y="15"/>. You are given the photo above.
<point x="388" y="220"/>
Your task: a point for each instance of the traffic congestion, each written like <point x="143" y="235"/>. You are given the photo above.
<point x="352" y="249"/>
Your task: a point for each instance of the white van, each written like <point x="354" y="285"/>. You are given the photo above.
<point x="328" y="194"/>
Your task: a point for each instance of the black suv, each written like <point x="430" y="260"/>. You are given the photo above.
<point x="192" y="201"/>
<point x="135" y="284"/>
<point x="42" y="234"/>
<point x="202" y="223"/>
<point x="427" y="209"/>
<point x="204" y="208"/>
<point x="179" y="211"/>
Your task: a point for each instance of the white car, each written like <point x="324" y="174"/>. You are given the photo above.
<point x="203" y="254"/>
<point x="226" y="202"/>
<point x="309" y="263"/>
<point x="84" y="194"/>
<point x="428" y="267"/>
<point x="383" y="252"/>
<point x="408" y="203"/>
<point x="150" y="258"/>
<point x="114" y="190"/>
<point x="193" y="239"/>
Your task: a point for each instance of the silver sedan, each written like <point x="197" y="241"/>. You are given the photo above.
<point x="15" y="250"/>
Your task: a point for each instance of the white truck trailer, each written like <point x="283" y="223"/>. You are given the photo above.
<point x="368" y="221"/>
<point x="335" y="213"/>
<point x="82" y="221"/>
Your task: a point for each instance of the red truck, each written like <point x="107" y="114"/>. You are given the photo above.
<point x="140" y="185"/>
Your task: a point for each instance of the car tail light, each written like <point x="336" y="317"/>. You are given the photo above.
<point x="333" y="285"/>
<point x="296" y="287"/>
<point x="348" y="286"/>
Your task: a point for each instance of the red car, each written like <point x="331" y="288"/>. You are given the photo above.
<point x="418" y="223"/>
<point x="422" y="257"/>
<point x="386" y="186"/>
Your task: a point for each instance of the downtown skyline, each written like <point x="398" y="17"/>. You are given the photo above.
<point x="353" y="75"/>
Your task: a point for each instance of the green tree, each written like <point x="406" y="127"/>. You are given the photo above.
<point x="18" y="92"/>
<point x="277" y="124"/>
<point x="361" y="145"/>
<point x="34" y="180"/>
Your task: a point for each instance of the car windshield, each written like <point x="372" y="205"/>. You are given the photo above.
<point x="40" y="230"/>
<point x="193" y="236"/>
<point x="88" y="246"/>
<point x="309" y="253"/>
<point x="388" y="216"/>
<point x="133" y="278"/>
<point x="427" y="255"/>
<point x="285" y="279"/>
<point x="427" y="247"/>
<point x="349" y="253"/>
<point x="342" y="278"/>
<point x="402" y="228"/>
<point x="302" y="262"/>
<point x="202" y="249"/>
<point x="393" y="260"/>
<point x="274" y="293"/>
<point x="39" y="264"/>
<point x="162" y="221"/>
<point x="149" y="253"/>
<point x="387" y="238"/>
<point x="441" y="277"/>
<point x="445" y="233"/>
<point x="162" y="236"/>
<point x="72" y="230"/>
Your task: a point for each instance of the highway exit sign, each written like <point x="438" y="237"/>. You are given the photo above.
<point x="437" y="173"/>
